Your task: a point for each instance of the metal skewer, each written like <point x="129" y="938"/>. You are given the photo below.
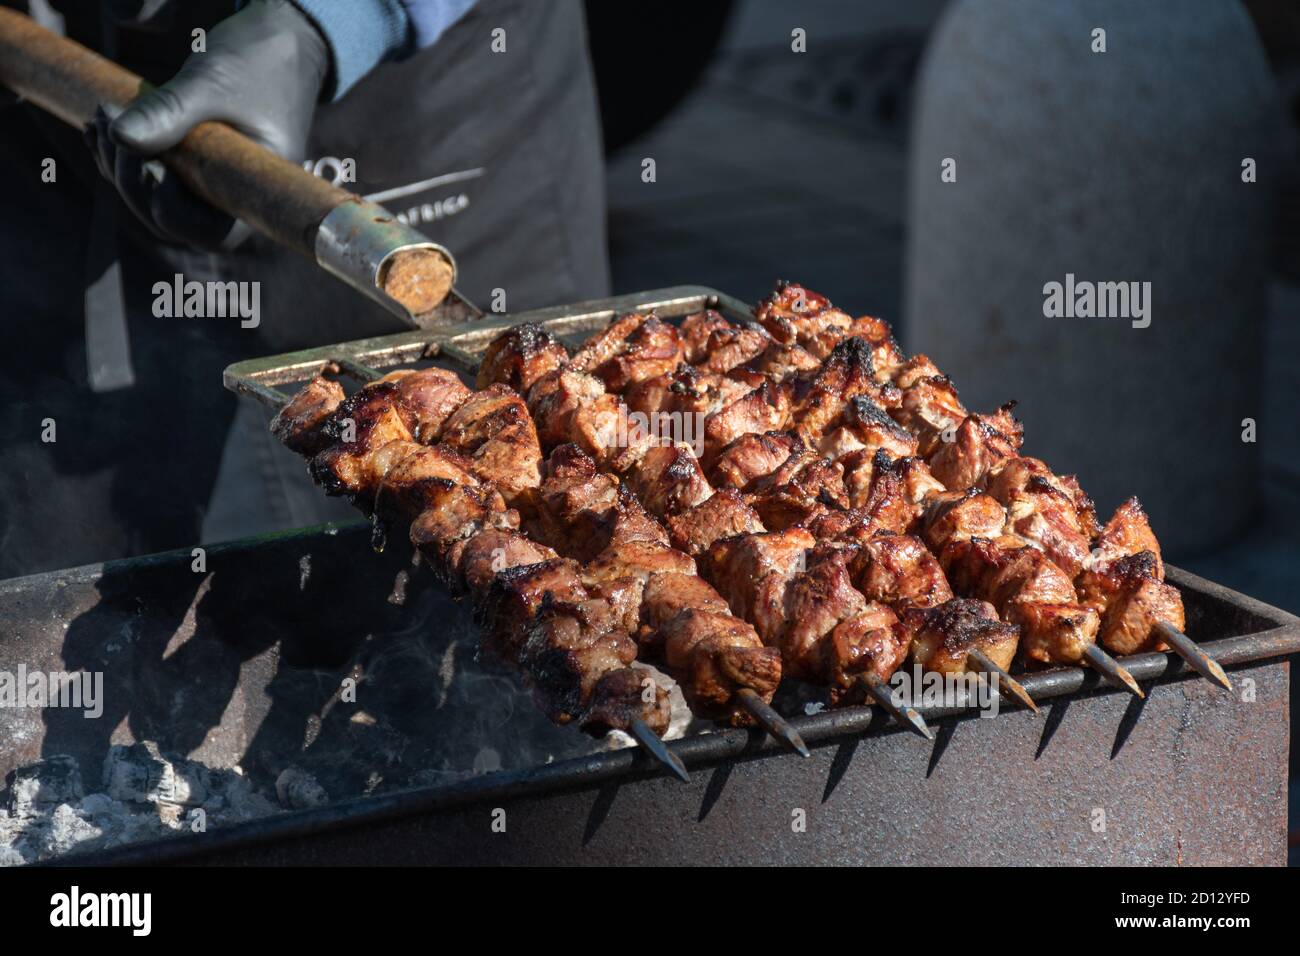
<point x="652" y="744"/>
<point x="904" y="715"/>
<point x="363" y="373"/>
<point x="772" y="722"/>
<point x="1109" y="668"/>
<point x="1190" y="651"/>
<point x="1004" y="680"/>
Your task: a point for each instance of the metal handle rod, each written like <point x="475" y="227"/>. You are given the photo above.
<point x="359" y="241"/>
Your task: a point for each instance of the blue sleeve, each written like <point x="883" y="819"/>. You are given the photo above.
<point x="363" y="33"/>
<point x="430" y="19"/>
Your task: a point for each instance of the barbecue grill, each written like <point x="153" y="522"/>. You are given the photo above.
<point x="1190" y="775"/>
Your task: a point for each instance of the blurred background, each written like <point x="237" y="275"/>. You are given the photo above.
<point x="823" y="167"/>
<point x="798" y="166"/>
<point x="775" y="164"/>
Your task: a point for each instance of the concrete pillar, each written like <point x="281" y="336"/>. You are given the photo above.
<point x="1115" y="166"/>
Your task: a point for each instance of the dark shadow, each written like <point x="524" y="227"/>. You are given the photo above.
<point x="271" y="628"/>
<point x="242" y="664"/>
<point x="1132" y="713"/>
<point x="717" y="783"/>
<point x="599" y="811"/>
<point x="839" y="766"/>
<point x="1052" y="722"/>
<point x="942" y="737"/>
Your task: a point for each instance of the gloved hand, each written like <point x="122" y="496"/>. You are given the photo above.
<point x="262" y="73"/>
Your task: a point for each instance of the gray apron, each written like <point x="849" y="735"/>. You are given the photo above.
<point x="497" y="156"/>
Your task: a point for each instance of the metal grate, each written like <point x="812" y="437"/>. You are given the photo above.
<point x="460" y="337"/>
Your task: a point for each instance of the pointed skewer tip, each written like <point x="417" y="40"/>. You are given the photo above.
<point x="1110" y="668"/>
<point x="1191" y="652"/>
<point x="904" y="715"/>
<point x="652" y="744"/>
<point x="772" y="722"/>
<point x="1005" y="682"/>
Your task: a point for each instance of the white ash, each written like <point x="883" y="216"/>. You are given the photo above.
<point x="680" y="718"/>
<point x="143" y="796"/>
<point x="43" y="786"/>
<point x="385" y="744"/>
<point x="140" y="774"/>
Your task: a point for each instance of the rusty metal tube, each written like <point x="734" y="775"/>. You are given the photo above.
<point x="362" y="242"/>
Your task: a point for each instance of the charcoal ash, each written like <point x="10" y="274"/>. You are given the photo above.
<point x="421" y="708"/>
<point x="141" y="774"/>
<point x="41" y="787"/>
<point x="144" y="796"/>
<point x="390" y="737"/>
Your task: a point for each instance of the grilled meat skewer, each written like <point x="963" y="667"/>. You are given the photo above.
<point x="1116" y="569"/>
<point x="802" y="601"/>
<point x="366" y="448"/>
<point x="949" y="635"/>
<point x="725" y="670"/>
<point x="674" y="488"/>
<point x="1139" y="610"/>
<point x="677" y="617"/>
<point x="930" y="407"/>
<point x="670" y="481"/>
<point x="494" y="412"/>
